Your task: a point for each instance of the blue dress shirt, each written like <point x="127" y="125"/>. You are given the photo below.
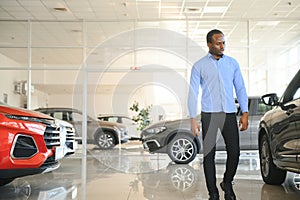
<point x="217" y="79"/>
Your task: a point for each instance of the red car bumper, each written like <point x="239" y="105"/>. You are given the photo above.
<point x="26" y="147"/>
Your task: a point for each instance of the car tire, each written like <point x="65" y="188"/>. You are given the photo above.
<point x="270" y="173"/>
<point x="182" y="149"/>
<point x="182" y="177"/>
<point x="105" y="140"/>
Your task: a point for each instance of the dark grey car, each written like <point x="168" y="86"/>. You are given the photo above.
<point x="175" y="137"/>
<point x="279" y="134"/>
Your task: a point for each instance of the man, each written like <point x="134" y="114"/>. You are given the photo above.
<point x="218" y="75"/>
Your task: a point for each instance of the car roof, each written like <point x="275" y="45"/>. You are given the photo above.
<point x="112" y="115"/>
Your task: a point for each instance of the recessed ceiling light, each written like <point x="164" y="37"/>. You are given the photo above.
<point x="76" y="31"/>
<point x="62" y="9"/>
<point x="267" y="23"/>
<point x="149" y="0"/>
<point x="214" y="9"/>
<point x="192" y="10"/>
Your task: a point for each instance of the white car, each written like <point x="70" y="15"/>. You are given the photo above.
<point x="132" y="126"/>
<point x="67" y="137"/>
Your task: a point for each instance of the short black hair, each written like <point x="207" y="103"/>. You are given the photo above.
<point x="211" y="33"/>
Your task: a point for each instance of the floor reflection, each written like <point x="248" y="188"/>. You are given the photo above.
<point x="172" y="182"/>
<point x="18" y="189"/>
<point x="131" y="174"/>
<point x="288" y="190"/>
<point x="40" y="187"/>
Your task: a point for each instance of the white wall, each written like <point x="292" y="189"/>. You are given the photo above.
<point x="7" y="80"/>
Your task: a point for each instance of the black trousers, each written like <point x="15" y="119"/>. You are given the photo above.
<point x="227" y="124"/>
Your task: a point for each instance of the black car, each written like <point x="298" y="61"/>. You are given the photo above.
<point x="279" y="134"/>
<point x="175" y="137"/>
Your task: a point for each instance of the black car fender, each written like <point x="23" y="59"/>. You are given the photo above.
<point x="264" y="130"/>
<point x="172" y="134"/>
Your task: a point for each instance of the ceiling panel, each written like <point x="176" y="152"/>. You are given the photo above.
<point x="272" y="23"/>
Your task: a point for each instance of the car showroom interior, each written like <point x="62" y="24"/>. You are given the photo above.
<point x="95" y="98"/>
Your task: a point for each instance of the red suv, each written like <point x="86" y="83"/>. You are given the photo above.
<point x="29" y="143"/>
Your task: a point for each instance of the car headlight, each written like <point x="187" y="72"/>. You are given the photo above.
<point x="124" y="130"/>
<point x="31" y="119"/>
<point x="26" y="121"/>
<point x="117" y="129"/>
<point x="156" y="130"/>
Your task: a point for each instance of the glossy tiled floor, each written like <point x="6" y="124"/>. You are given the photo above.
<point x="129" y="173"/>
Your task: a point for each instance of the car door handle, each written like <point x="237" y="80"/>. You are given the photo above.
<point x="289" y="111"/>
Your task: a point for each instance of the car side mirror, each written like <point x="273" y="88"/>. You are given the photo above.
<point x="270" y="99"/>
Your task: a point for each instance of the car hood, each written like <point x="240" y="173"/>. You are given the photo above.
<point x="5" y="109"/>
<point x="178" y="124"/>
<point x="110" y="124"/>
<point x="64" y="123"/>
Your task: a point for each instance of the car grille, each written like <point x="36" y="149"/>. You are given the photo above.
<point x="51" y="135"/>
<point x="50" y="162"/>
<point x="70" y="136"/>
<point x="151" y="145"/>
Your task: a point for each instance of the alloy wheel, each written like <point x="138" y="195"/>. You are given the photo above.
<point x="265" y="158"/>
<point x="106" y="141"/>
<point x="182" y="149"/>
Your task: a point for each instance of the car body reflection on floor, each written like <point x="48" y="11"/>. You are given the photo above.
<point x="131" y="174"/>
<point x="39" y="188"/>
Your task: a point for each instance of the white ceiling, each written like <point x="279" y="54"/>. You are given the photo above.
<point x="147" y="9"/>
<point x="272" y="22"/>
<point x="58" y="24"/>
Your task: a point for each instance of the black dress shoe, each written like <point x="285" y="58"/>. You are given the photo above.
<point x="214" y="197"/>
<point x="227" y="188"/>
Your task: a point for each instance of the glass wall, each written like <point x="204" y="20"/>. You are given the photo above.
<point x="101" y="68"/>
<point x="127" y="56"/>
<point x="274" y="55"/>
<point x="52" y="53"/>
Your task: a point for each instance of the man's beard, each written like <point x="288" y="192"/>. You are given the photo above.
<point x="214" y="51"/>
<point x="217" y="54"/>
